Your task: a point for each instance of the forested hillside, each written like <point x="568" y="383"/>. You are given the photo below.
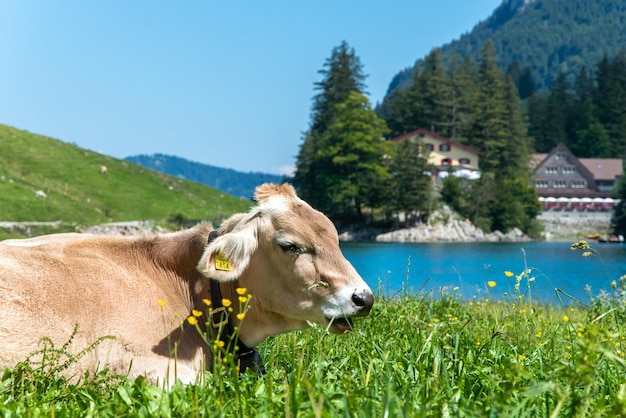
<point x="227" y="180"/>
<point x="546" y="36"/>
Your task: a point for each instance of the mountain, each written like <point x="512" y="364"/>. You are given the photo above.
<point x="44" y="179"/>
<point x="227" y="180"/>
<point x="549" y="36"/>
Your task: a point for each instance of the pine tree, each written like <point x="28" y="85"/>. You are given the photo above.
<point x="410" y="184"/>
<point x="526" y="85"/>
<point x="434" y="88"/>
<point x="464" y="93"/>
<point x="611" y="101"/>
<point x="342" y="74"/>
<point x="351" y="157"/>
<point x="537" y="121"/>
<point x="488" y="132"/>
<point x="516" y="154"/>
<point x="558" y="113"/>
<point x="618" y="221"/>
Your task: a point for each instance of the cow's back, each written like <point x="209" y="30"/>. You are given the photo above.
<point x="105" y="285"/>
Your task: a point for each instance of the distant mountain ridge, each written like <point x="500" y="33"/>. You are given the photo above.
<point x="549" y="36"/>
<point x="227" y="180"/>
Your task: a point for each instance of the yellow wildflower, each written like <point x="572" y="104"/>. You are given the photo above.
<point x="491" y="283"/>
<point x="206" y="302"/>
<point x="565" y="318"/>
<point x="508" y="274"/>
<point x="241" y="291"/>
<point x="243" y="299"/>
<point x="161" y="303"/>
<point x="521" y="357"/>
<point x="580" y="245"/>
<point x="192" y="320"/>
<point x="455" y="288"/>
<point x="226" y="303"/>
<point x="196" y="313"/>
<point x="219" y="343"/>
<point x="241" y="316"/>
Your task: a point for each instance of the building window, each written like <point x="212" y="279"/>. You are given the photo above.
<point x="541" y="184"/>
<point x="569" y="169"/>
<point x="446" y="161"/>
<point x="560" y="184"/>
<point x="552" y="169"/>
<point x="429" y="147"/>
<point x="444" y="147"/>
<point x="465" y="161"/>
<point x="578" y="184"/>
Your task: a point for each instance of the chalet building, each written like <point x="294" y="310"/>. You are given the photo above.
<point x="564" y="182"/>
<point x="444" y="153"/>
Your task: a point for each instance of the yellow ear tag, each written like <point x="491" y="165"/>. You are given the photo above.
<point x="222" y="262"/>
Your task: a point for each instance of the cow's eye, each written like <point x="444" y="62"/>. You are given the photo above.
<point x="291" y="247"/>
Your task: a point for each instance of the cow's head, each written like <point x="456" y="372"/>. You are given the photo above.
<point x="287" y="255"/>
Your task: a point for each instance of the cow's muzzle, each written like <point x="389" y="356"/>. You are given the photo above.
<point x="362" y="302"/>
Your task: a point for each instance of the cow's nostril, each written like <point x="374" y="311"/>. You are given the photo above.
<point x="363" y="299"/>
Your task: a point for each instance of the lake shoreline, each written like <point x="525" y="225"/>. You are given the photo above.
<point x="446" y="226"/>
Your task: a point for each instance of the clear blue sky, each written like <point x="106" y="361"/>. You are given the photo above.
<point x="227" y="83"/>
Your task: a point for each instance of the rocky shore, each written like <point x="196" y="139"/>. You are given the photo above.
<point x="446" y="225"/>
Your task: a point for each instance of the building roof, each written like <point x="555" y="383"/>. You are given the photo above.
<point x="604" y="168"/>
<point x="424" y="132"/>
<point x="536" y="159"/>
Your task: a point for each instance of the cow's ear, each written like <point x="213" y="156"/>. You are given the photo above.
<point x="228" y="256"/>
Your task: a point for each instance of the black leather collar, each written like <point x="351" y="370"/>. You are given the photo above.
<point x="246" y="357"/>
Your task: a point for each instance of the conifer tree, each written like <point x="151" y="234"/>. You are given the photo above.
<point x="516" y="154"/>
<point x="351" y="157"/>
<point x="342" y="74"/>
<point x="434" y="88"/>
<point x="463" y="91"/>
<point x="611" y="101"/>
<point x="618" y="220"/>
<point x="488" y="132"/>
<point x="410" y="182"/>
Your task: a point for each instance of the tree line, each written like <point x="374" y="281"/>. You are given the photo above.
<point x="347" y="167"/>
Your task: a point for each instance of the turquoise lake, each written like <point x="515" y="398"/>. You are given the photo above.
<point x="434" y="267"/>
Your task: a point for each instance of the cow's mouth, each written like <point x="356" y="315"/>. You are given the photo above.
<point x="339" y="325"/>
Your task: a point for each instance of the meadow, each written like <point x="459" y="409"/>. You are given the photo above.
<point x="76" y="194"/>
<point x="415" y="355"/>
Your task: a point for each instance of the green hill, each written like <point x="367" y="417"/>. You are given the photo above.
<point x="76" y="193"/>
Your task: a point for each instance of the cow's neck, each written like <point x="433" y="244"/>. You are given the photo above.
<point x="246" y="356"/>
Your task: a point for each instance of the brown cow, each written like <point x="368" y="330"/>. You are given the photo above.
<point x="283" y="251"/>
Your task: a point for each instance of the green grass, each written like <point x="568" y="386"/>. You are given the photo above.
<point x="414" y="356"/>
<point x="79" y="195"/>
